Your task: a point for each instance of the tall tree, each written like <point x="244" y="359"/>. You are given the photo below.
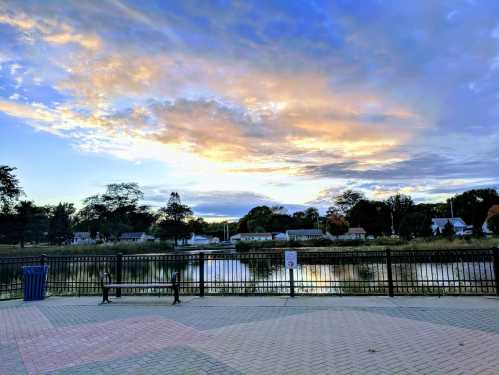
<point x="114" y="212"/>
<point x="347" y="200"/>
<point x="29" y="222"/>
<point x="400" y="205"/>
<point x="373" y="216"/>
<point x="59" y="228"/>
<point x="10" y="189"/>
<point x="415" y="224"/>
<point x="172" y="222"/>
<point x="473" y="205"/>
<point x="258" y="219"/>
<point x="336" y="224"/>
<point x="197" y="225"/>
<point x="448" y="230"/>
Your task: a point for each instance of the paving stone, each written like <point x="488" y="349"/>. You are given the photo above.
<point x="251" y="336"/>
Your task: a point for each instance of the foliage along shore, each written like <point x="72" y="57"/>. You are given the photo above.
<point x="166" y="247"/>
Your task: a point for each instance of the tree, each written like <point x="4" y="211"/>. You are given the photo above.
<point x="29" y="222"/>
<point x="59" y="227"/>
<point x="373" y="216"/>
<point x="493" y="224"/>
<point x="258" y="219"/>
<point x="415" y="224"/>
<point x="346" y="200"/>
<point x="336" y="224"/>
<point x="400" y="205"/>
<point x="473" y="205"/>
<point x="448" y="230"/>
<point x="116" y="211"/>
<point x="197" y="225"/>
<point x="10" y="189"/>
<point x="141" y="219"/>
<point x="311" y="217"/>
<point x="333" y="210"/>
<point x="172" y="222"/>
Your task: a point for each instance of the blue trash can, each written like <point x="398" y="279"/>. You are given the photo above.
<point x="35" y="282"/>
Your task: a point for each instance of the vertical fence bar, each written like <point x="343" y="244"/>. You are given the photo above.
<point x="119" y="264"/>
<point x="389" y="271"/>
<point x="496" y="268"/>
<point x="291" y="283"/>
<point x="201" y="274"/>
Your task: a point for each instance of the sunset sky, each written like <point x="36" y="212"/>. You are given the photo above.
<point x="234" y="104"/>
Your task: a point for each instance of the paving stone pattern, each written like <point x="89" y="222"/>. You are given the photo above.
<point x="250" y="336"/>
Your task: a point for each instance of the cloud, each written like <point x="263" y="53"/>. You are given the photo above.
<point x="336" y="94"/>
<point x="430" y="166"/>
<point x="48" y="29"/>
<point x="217" y="204"/>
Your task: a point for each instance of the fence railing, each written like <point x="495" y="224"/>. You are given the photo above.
<point x="389" y="272"/>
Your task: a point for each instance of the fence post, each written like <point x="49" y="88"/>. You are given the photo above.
<point x="43" y="259"/>
<point x="389" y="271"/>
<point x="291" y="283"/>
<point x="201" y="274"/>
<point x="496" y="268"/>
<point x="119" y="263"/>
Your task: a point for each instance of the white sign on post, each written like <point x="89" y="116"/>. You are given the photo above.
<point x="290" y="259"/>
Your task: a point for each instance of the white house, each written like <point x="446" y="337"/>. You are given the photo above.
<point x="304" y="234"/>
<point x="84" y="238"/>
<point x="460" y="227"/>
<point x="135" y="237"/>
<point x="251" y="237"/>
<point x="356" y="233"/>
<point x="202" y="239"/>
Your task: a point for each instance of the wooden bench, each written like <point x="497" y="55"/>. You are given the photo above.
<point x="107" y="284"/>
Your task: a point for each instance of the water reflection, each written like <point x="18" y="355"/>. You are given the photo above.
<point x="264" y="275"/>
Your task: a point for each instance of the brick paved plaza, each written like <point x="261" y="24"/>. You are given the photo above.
<point x="251" y="335"/>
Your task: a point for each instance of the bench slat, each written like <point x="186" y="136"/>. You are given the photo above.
<point x="158" y="285"/>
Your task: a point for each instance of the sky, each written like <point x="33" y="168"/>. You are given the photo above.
<point x="236" y="104"/>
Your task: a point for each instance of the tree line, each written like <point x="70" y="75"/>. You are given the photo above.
<point x="396" y="215"/>
<point x="119" y="209"/>
<point x="116" y="211"/>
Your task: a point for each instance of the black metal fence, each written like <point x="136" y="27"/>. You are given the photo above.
<point x="388" y="272"/>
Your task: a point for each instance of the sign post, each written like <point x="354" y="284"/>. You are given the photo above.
<point x="290" y="262"/>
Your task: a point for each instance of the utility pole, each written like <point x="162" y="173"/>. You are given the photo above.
<point x="451" y="209"/>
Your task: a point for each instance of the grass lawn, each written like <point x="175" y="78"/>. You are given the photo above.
<point x="144" y="248"/>
<point x="141" y="248"/>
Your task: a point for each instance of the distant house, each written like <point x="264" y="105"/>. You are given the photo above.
<point x="460" y="227"/>
<point x="250" y="237"/>
<point x="352" y="234"/>
<point x="279" y="236"/>
<point x="356" y="233"/>
<point x="84" y="238"/>
<point x="135" y="237"/>
<point x="304" y="234"/>
<point x="202" y="239"/>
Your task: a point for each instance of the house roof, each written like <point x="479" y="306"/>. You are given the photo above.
<point x="357" y="230"/>
<point x="256" y="234"/>
<point x="304" y="232"/>
<point x="455" y="221"/>
<point x="131" y="235"/>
